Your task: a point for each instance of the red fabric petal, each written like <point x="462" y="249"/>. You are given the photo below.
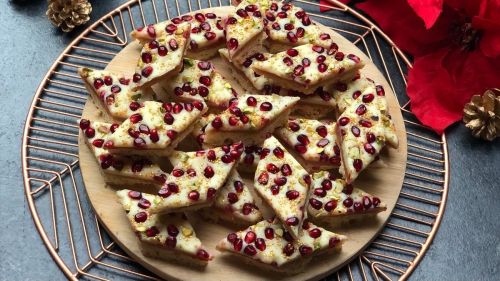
<point x="397" y="19"/>
<point x="441" y="83"/>
<point x="427" y="10"/>
<point x="326" y="2"/>
<point x="488" y="21"/>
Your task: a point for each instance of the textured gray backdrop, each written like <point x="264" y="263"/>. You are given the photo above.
<point x="466" y="247"/>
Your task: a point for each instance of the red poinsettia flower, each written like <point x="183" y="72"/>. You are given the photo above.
<point x="456" y="50"/>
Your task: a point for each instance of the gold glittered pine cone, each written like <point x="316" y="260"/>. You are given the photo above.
<point x="482" y="115"/>
<point x="67" y="14"/>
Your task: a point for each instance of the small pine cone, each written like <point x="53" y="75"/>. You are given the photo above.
<point x="67" y="14"/>
<point x="482" y="115"/>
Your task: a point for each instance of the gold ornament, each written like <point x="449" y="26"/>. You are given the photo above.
<point x="482" y="115"/>
<point x="67" y="14"/>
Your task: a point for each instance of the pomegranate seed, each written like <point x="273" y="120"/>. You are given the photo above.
<point x="368" y="98"/>
<point x="173" y="44"/>
<point x="334" y="241"/>
<point x="298" y="70"/>
<point x="263" y="153"/>
<point x="146" y="57"/>
<point x="211" y="193"/>
<point x="98" y="142"/>
<point x="275" y="189"/>
<point x="339" y="56"/>
<point x="306" y="20"/>
<point x="233" y="120"/>
<point x="324" y="36"/>
<point x="288" y="61"/>
<point x="300" y="148"/>
<point x="292" y="194"/>
<point x="147" y="71"/>
<point x="141" y="217"/>
<point x="152" y="231"/>
<point x="108" y="80"/>
<point x="153" y="44"/>
<point x="354" y="58"/>
<point x="164" y="192"/>
<point x="232" y="197"/>
<point x="358" y="206"/>
<point x="380" y="90"/>
<point x="231" y="237"/>
<point x="330" y="205"/>
<point x="369" y="148"/>
<point x="289" y="26"/>
<point x="266" y="106"/>
<point x="134" y="106"/>
<point x="199" y="17"/>
<point x="320" y="192"/>
<point x="365" y="123"/>
<point x="208" y="172"/>
<point x="292" y="52"/>
<point x="250" y="250"/>
<point x="347" y="189"/>
<point x="177" y="108"/>
<point x="315" y="233"/>
<point x="98" y="83"/>
<point x="294" y="126"/>
<point x="242" y="13"/>
<point x="361" y="109"/>
<point x="84" y="124"/>
<point x="303" y="139"/>
<point x="272" y="168"/>
<point x="172" y="230"/>
<point x="161" y="178"/>
<point x="260" y="244"/>
<point x="211" y="155"/>
<point x="370" y="137"/>
<point x="322" y="67"/>
<point x="151" y="31"/>
<point x="305" y="250"/>
<point x="231" y="20"/>
<point x="269" y="233"/>
<point x="316" y="204"/>
<point x="202" y="255"/>
<point x="162" y="51"/>
<point x="306" y="62"/>
<point x="367" y="202"/>
<point x="168" y="118"/>
<point x="89" y="132"/>
<point x="355" y="131"/>
<point x="204" y="65"/>
<point x="238" y="186"/>
<point x="217" y="122"/>
<point x="292" y="221"/>
<point x="187" y="18"/>
<point x="348" y="202"/>
<point x="250" y="237"/>
<point x="210" y="35"/>
<point x="320" y="59"/>
<point x="135" y="195"/>
<point x="356" y="94"/>
<point x="292" y="37"/>
<point x="210" y="15"/>
<point x="171" y="28"/>
<point x="300" y="14"/>
<point x="344" y="121"/>
<point x="274" y="6"/>
<point x="247" y="208"/>
<point x="376" y="201"/>
<point x="177" y="173"/>
<point x="232" y="44"/>
<point x="173" y="187"/>
<point x="144" y="203"/>
<point x="143" y="128"/>
<point x="171" y="242"/>
<point x="278" y="152"/>
<point x="288" y="249"/>
<point x="318" y="49"/>
<point x="238" y="244"/>
<point x="300" y="32"/>
<point x="286" y="170"/>
<point x="194" y="195"/>
<point x="137" y="166"/>
<point x="263" y="178"/>
<point x="276" y="26"/>
<point x="172" y="134"/>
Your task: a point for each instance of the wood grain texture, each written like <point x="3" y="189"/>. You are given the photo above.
<point x="383" y="179"/>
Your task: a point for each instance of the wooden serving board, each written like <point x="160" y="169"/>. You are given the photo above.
<point x="383" y="179"/>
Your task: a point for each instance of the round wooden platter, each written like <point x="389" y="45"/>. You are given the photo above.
<point x="383" y="178"/>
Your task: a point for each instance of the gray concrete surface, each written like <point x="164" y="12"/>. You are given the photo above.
<point x="467" y="245"/>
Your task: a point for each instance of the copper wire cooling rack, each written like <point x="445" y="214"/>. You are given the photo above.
<point x="62" y="212"/>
